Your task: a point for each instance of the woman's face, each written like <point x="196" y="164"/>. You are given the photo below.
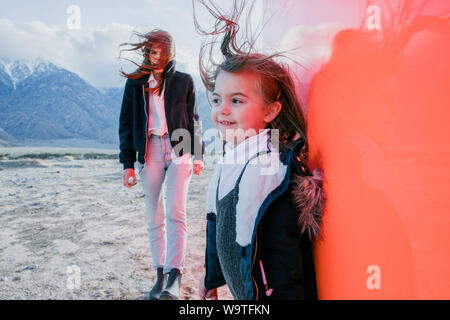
<point x="153" y="55"/>
<point x="238" y="108"/>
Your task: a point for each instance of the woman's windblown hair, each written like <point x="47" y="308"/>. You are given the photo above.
<point x="146" y="41"/>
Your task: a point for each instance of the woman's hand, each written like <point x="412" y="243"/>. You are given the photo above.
<point x="198" y="167"/>
<point x="129" y="178"/>
<point x="203" y="294"/>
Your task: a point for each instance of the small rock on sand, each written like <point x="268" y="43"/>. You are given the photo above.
<point x="64" y="246"/>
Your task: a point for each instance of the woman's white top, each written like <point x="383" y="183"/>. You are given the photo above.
<point x="157" y="116"/>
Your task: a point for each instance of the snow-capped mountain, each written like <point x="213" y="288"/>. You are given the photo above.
<point x="19" y="70"/>
<point x="41" y="101"/>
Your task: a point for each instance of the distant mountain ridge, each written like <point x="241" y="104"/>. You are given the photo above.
<point x="19" y="70"/>
<point x="41" y="101"/>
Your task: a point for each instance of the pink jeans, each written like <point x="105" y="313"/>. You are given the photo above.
<point x="167" y="245"/>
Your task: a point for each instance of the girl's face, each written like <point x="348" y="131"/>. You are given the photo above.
<point x="238" y="109"/>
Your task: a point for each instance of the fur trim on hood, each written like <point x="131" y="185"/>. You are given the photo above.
<point x="309" y="200"/>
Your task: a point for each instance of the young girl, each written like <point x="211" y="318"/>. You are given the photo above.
<point x="263" y="206"/>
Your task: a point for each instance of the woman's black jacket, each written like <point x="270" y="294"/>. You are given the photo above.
<point x="181" y="113"/>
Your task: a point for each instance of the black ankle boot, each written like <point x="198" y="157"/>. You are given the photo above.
<point x="159" y="285"/>
<point x="172" y="289"/>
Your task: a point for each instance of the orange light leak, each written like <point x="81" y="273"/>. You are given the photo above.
<point x="378" y="115"/>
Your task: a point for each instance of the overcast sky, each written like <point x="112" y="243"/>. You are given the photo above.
<point x="45" y="29"/>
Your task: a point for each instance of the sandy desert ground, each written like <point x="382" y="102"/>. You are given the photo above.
<point x="70" y="230"/>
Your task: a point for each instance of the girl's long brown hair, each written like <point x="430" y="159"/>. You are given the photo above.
<point x="276" y="81"/>
<point x="155" y="37"/>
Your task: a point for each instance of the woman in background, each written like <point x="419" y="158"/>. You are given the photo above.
<point x="159" y="101"/>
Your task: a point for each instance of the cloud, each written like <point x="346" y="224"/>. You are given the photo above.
<point x="91" y="52"/>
